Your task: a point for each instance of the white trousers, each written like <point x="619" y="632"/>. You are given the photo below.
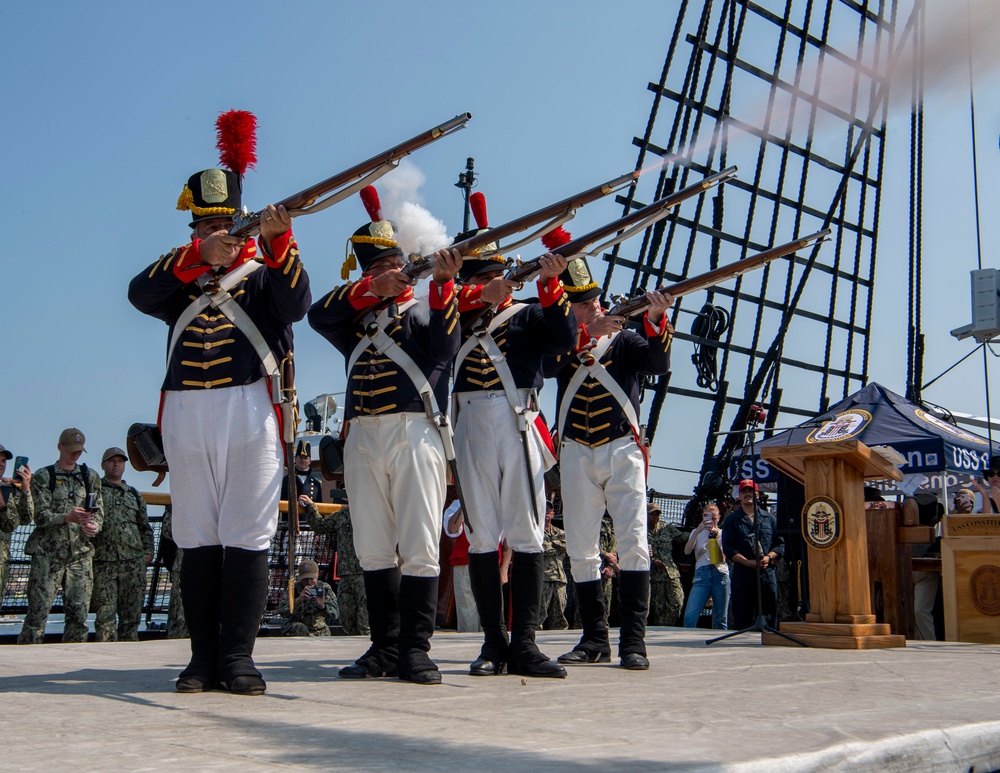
<point x="495" y="480"/>
<point x="225" y="466"/>
<point x="610" y="477"/>
<point x="395" y="473"/>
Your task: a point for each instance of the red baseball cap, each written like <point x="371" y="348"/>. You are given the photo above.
<point x="747" y="483"/>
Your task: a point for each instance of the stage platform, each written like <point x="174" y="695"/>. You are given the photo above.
<point x="735" y="706"/>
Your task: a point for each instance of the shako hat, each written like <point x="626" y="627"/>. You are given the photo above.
<point x="218" y="192"/>
<point x="578" y="282"/>
<point x="373" y="241"/>
<point x="303" y="449"/>
<point x="474" y="264"/>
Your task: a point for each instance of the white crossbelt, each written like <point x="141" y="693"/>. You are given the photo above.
<point x="525" y="418"/>
<point x="386" y="345"/>
<point x="598" y="371"/>
<point x="225" y="303"/>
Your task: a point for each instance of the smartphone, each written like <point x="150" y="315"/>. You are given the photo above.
<point x="91" y="504"/>
<point x="19" y="462"/>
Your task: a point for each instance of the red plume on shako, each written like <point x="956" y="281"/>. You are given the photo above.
<point x="214" y="193"/>
<point x="373" y="241"/>
<point x="474" y="264"/>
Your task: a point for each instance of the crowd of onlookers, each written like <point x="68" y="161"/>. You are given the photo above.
<point x="92" y="542"/>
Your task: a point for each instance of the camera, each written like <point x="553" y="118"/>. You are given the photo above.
<point x="315" y="590"/>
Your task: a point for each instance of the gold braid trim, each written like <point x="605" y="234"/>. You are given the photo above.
<point x="378" y="241"/>
<point x="583" y="289"/>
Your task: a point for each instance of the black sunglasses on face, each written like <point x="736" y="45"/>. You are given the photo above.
<point x="992" y="473"/>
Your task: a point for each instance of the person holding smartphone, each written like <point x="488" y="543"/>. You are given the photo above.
<point x="711" y="572"/>
<point x="15" y="507"/>
<point x="989" y="487"/>
<point x="69" y="513"/>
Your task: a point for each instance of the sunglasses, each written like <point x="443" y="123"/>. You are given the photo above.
<point x="991" y="473"/>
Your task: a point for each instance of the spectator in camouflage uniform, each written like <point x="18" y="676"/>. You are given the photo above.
<point x="176" y="628"/>
<point x="15" y="510"/>
<point x="351" y="585"/>
<point x="554" y="588"/>
<point x="122" y="551"/>
<point x="315" y="603"/>
<point x="666" y="596"/>
<point x="60" y="547"/>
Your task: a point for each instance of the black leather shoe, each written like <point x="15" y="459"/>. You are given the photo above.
<point x="191" y="684"/>
<point x="583" y="657"/>
<point x="364" y="670"/>
<point x="430" y="676"/>
<point x="543" y="668"/>
<point x="486" y="667"/>
<point x="246" y="685"/>
<point x="633" y="661"/>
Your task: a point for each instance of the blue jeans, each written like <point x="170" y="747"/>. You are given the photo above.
<point x="708" y="581"/>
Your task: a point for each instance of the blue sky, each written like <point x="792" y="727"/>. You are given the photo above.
<point x="111" y="106"/>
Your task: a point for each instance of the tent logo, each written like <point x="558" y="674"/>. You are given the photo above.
<point x="949" y="428"/>
<point x="845" y="425"/>
<point x="822" y="523"/>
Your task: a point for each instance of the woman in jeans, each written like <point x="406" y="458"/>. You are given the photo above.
<point x="711" y="573"/>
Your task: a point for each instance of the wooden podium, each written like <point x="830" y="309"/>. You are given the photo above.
<point x="839" y="587"/>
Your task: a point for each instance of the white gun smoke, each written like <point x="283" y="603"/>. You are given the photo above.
<point x="417" y="230"/>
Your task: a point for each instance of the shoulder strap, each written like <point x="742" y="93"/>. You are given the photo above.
<point x="51" y="470"/>
<point x="473" y="340"/>
<point x="582" y="372"/>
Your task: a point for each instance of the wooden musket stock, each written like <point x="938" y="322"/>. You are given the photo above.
<point x="163" y="498"/>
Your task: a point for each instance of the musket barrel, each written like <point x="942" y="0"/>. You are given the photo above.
<point x="718" y="275"/>
<point x="248" y="226"/>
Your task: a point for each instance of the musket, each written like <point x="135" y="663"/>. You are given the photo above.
<point x="163" y="498"/>
<point x="633" y="306"/>
<point x="348" y="182"/>
<point x="556" y="214"/>
<point x="288" y="425"/>
<point x="628" y="225"/>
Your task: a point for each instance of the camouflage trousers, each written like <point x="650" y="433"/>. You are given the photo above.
<point x="353" y="605"/>
<point x="666" y="597"/>
<point x="119" y="589"/>
<point x="295" y="628"/>
<point x="554" y="606"/>
<point x="4" y="567"/>
<point x="46" y="578"/>
<point x="176" y="627"/>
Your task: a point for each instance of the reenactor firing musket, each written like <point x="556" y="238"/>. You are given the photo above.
<point x="348" y="182"/>
<point x="632" y="307"/>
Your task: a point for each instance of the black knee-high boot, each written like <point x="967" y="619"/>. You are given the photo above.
<point x="524" y="658"/>
<point x="594" y="646"/>
<point x="418" y="598"/>
<point x="382" y="598"/>
<point x="634" y="608"/>
<point x="244" y="598"/>
<point x="201" y="573"/>
<point x="484" y="576"/>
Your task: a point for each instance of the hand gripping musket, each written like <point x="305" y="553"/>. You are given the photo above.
<point x="289" y="422"/>
<point x="632" y="307"/>
<point x="350" y="181"/>
<point x="628" y="226"/>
